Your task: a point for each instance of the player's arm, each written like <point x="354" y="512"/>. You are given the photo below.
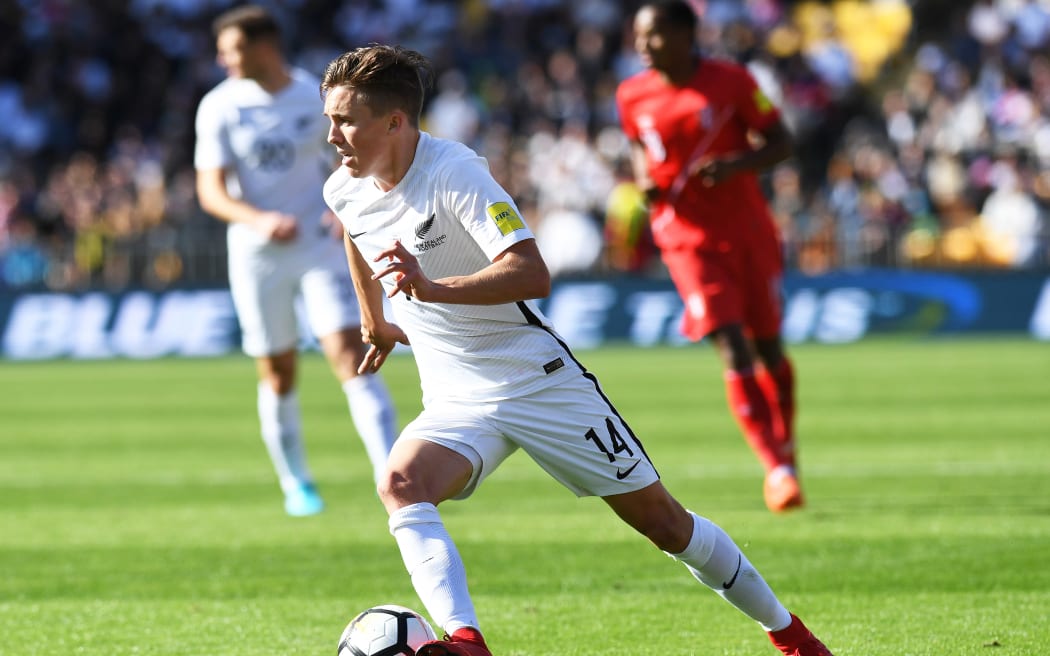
<point x="517" y="274"/>
<point x="381" y="335"/>
<point x="640" y="169"/>
<point x="769" y="138"/>
<point x="775" y="145"/>
<point x="216" y="200"/>
<point x="771" y="146"/>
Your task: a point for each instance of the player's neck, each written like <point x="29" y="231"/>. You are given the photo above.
<point x="680" y="74"/>
<point x="275" y="79"/>
<point x="403" y="153"/>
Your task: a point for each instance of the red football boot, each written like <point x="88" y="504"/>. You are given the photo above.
<point x="782" y="490"/>
<point x="797" y="640"/>
<point x="462" y="642"/>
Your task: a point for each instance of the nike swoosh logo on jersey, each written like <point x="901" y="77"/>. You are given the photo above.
<point x="355" y="235"/>
<point x="624" y="473"/>
<point x="728" y="584"/>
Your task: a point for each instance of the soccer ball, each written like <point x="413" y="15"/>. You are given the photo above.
<point x="387" y="630"/>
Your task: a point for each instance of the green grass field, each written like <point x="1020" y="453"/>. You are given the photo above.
<point x="139" y="514"/>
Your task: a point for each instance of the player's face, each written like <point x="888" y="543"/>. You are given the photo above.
<point x="658" y="44"/>
<point x="236" y="54"/>
<point x="359" y="136"/>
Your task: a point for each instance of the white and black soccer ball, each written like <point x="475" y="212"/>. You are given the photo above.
<point x="387" y="630"/>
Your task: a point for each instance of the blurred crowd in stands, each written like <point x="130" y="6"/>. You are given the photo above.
<point x="920" y="141"/>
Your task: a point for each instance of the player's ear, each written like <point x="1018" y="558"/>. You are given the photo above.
<point x="394" y="123"/>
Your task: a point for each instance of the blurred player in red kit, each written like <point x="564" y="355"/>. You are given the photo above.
<point x="701" y="130"/>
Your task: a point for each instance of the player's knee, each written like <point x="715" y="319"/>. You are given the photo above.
<point x="278" y="371"/>
<point x="733" y="348"/>
<point x="394" y="486"/>
<point x="403" y="485"/>
<point x="770" y="351"/>
<point x="280" y="384"/>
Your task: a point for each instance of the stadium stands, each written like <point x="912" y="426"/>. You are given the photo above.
<point x="920" y="143"/>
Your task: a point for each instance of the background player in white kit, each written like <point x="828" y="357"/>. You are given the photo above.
<point x="427" y="224"/>
<point x="261" y="161"/>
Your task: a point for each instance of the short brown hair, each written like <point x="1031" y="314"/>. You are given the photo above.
<point x="255" y="22"/>
<point x="387" y="77"/>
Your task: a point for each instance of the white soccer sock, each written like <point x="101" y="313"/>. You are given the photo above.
<point x="433" y="562"/>
<point x="714" y="559"/>
<point x="373" y="414"/>
<point x="279" y="423"/>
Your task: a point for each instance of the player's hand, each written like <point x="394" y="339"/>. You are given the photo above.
<point x="714" y="171"/>
<point x="650" y="194"/>
<point x="277" y="226"/>
<point x="408" y="275"/>
<point x="381" y="340"/>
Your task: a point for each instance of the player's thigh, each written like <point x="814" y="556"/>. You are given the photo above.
<point x="328" y="294"/>
<point x="344" y="351"/>
<point x="577" y="436"/>
<point x="467" y="430"/>
<point x="421" y="471"/>
<point x="707" y="283"/>
<point x="263" y="294"/>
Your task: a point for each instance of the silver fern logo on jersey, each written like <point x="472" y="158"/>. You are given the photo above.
<point x="424" y="227"/>
<point x="421" y="230"/>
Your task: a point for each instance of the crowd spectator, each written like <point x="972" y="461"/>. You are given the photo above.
<point x="920" y="145"/>
<point x="952" y="170"/>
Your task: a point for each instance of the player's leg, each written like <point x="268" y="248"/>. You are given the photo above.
<point x="776" y="376"/>
<point x="371" y="408"/>
<point x="761" y="279"/>
<point x="263" y="294"/>
<point x="332" y="312"/>
<point x="782" y="489"/>
<point x="714" y="308"/>
<point x="573" y="431"/>
<point x="280" y="424"/>
<point x="758" y="418"/>
<point x="714" y="559"/>
<point x="584" y="443"/>
<point x="704" y="548"/>
<point x="411" y="492"/>
<point x="744" y="394"/>
<point x="441" y="455"/>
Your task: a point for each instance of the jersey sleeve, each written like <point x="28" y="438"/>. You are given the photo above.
<point x="757" y="110"/>
<point x="212" y="147"/>
<point x="483" y="207"/>
<point x="623" y="111"/>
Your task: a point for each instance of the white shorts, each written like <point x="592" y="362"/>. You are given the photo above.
<point x="571" y="430"/>
<point x="265" y="284"/>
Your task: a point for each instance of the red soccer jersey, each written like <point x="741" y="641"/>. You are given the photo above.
<point x="718" y="106"/>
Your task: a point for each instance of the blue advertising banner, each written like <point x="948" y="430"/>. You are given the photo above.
<point x="837" y="307"/>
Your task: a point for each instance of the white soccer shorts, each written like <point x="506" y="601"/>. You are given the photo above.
<point x="571" y="430"/>
<point x="265" y="284"/>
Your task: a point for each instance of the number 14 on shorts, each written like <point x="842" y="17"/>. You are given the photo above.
<point x="618" y="446"/>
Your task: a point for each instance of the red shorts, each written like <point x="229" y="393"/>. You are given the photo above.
<point x="730" y="286"/>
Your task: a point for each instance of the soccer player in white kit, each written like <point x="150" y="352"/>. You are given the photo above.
<point x="261" y="161"/>
<point x="428" y="227"/>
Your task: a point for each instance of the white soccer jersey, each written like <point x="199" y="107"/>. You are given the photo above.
<point x="451" y="214"/>
<point x="275" y="147"/>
